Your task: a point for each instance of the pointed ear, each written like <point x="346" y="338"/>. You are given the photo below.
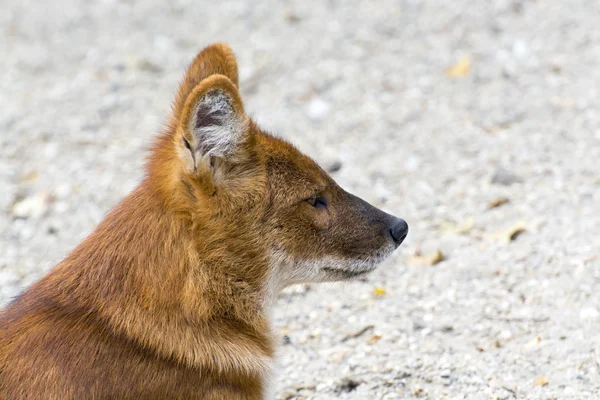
<point x="218" y="59"/>
<point x="213" y="124"/>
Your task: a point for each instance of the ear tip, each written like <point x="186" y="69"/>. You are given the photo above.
<point x="222" y="47"/>
<point x="217" y="60"/>
<point x="228" y="59"/>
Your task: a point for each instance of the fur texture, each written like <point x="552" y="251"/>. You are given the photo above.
<point x="168" y="298"/>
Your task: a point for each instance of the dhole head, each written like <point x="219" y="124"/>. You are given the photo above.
<point x="254" y="196"/>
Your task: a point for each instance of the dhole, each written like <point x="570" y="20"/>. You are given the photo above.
<point x="168" y="298"/>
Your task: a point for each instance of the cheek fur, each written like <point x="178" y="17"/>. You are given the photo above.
<point x="321" y="219"/>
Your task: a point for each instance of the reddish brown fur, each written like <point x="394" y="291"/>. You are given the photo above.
<point x="168" y="297"/>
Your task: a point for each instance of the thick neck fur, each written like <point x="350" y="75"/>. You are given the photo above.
<point x="142" y="273"/>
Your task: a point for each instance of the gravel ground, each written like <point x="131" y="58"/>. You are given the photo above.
<point x="476" y="121"/>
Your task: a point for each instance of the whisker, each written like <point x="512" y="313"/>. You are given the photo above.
<point x="329" y="288"/>
<point x="287" y="304"/>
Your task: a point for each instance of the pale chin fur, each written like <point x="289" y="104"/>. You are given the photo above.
<point x="286" y="270"/>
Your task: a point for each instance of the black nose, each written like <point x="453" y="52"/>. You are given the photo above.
<point x="398" y="231"/>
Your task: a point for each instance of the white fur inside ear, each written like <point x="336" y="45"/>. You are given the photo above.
<point x="217" y="128"/>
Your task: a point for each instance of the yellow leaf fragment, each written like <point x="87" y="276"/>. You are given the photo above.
<point x="460" y="69"/>
<point x="540" y="381"/>
<point x="433" y="259"/>
<point x="509" y="234"/>
<point x="513" y="232"/>
<point x="436" y="258"/>
<point x="500" y="201"/>
<point x="374" y="339"/>
<point x="379" y="291"/>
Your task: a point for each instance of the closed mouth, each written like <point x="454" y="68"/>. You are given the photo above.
<point x="346" y="273"/>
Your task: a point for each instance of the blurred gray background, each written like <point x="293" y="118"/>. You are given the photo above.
<point x="476" y="121"/>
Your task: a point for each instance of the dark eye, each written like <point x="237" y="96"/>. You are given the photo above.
<point x="318" y="202"/>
